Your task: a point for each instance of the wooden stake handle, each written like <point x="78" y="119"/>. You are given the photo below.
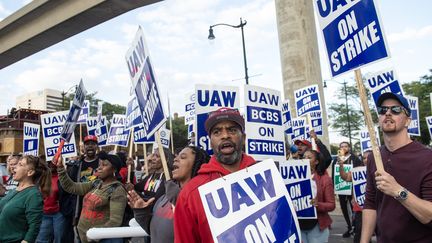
<point x="145" y="160"/>
<point x="369" y="123"/>
<point x="162" y="156"/>
<point x="130" y="155"/>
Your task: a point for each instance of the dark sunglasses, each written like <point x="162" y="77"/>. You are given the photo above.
<point x="395" y="110"/>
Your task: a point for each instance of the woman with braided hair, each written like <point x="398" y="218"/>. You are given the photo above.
<point x="21" y="210"/>
<point x="159" y="221"/>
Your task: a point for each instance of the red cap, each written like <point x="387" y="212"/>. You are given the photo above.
<point x="90" y="138"/>
<point x="303" y="141"/>
<point x="224" y="114"/>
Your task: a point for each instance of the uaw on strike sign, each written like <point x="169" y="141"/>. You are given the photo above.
<point x="251" y="205"/>
<point x="297" y="177"/>
<point x="352" y="32"/>
<point x="52" y="127"/>
<point x="144" y="83"/>
<point x="265" y="133"/>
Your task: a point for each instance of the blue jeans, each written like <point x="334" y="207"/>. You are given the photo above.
<point x="314" y="235"/>
<point x="51" y="229"/>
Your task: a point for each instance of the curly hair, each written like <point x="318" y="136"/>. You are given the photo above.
<point x="201" y="157"/>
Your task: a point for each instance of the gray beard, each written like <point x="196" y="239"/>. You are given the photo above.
<point x="233" y="158"/>
<point x="229" y="160"/>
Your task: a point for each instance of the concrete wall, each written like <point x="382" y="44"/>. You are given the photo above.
<point x="299" y="50"/>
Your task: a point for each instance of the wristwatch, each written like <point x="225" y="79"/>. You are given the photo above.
<point x="402" y="194"/>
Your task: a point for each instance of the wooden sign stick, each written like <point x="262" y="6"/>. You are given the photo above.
<point x="162" y="156"/>
<point x="369" y="123"/>
<point x="145" y="160"/>
<point x="130" y="156"/>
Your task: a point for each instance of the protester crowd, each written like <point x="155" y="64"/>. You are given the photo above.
<point x="46" y="202"/>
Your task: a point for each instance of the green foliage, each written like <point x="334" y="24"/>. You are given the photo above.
<point x="422" y="90"/>
<point x="179" y="132"/>
<point x="333" y="149"/>
<point x="108" y="109"/>
<point x="341" y="118"/>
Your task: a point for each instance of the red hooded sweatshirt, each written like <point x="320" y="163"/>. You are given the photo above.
<point x="190" y="221"/>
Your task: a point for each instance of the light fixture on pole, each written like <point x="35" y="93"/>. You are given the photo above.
<point x="211" y="36"/>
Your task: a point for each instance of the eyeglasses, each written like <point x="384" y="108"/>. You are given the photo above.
<point x="395" y="110"/>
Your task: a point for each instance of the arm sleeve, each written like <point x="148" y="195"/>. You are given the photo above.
<point x="33" y="213"/>
<point x="328" y="204"/>
<point x="185" y="228"/>
<point x="426" y="191"/>
<point x="73" y="187"/>
<point x="143" y="217"/>
<point x="426" y="187"/>
<point x="325" y="157"/>
<point x="117" y="207"/>
<point x="356" y="161"/>
<point x="370" y="185"/>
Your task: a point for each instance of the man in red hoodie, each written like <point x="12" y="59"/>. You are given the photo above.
<point x="225" y="128"/>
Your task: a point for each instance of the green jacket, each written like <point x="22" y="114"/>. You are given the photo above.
<point x="103" y="205"/>
<point x="21" y="215"/>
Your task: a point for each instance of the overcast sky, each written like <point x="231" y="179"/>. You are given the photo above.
<point x="176" y="33"/>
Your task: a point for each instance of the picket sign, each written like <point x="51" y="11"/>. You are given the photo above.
<point x="365" y="144"/>
<point x="71" y="120"/>
<point x="52" y="125"/>
<point x="31" y="134"/>
<point x="342" y="187"/>
<point x="414" y="126"/>
<point x="297" y="177"/>
<point x="353" y="36"/>
<point x="209" y="98"/>
<point x="162" y="156"/>
<point x="250" y="205"/>
<point x="429" y="124"/>
<point x="359" y="184"/>
<point x="144" y="83"/>
<point x="265" y="134"/>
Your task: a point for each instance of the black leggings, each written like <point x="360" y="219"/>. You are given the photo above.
<point x="344" y="201"/>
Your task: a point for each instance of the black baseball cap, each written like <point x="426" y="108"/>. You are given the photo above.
<point x="112" y="158"/>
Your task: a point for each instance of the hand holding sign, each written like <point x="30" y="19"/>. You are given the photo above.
<point x="58" y="162"/>
<point x="387" y="184"/>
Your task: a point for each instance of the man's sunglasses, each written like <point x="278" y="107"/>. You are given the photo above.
<point x="395" y="110"/>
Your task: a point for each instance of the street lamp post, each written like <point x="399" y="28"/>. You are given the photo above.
<point x="347" y="111"/>
<point x="242" y="23"/>
<point x="346" y="108"/>
<point x="65" y="93"/>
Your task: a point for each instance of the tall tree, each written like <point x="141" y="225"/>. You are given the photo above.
<point x="422" y="90"/>
<point x="342" y="116"/>
<point x="179" y="132"/>
<point x="108" y="109"/>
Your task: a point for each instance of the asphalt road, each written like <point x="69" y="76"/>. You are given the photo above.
<point x="338" y="228"/>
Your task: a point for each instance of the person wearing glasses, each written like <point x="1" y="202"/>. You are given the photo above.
<point x="399" y="199"/>
<point x="225" y="128"/>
